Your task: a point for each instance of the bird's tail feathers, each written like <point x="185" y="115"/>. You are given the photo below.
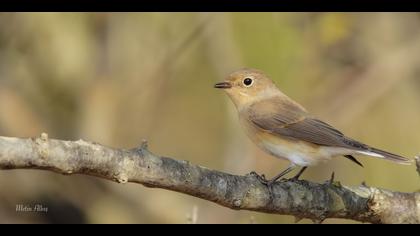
<point x="386" y="155"/>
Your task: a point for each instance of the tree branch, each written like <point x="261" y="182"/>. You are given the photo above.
<point x="301" y="199"/>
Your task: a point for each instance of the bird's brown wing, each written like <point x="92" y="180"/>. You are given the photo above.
<point x="287" y="120"/>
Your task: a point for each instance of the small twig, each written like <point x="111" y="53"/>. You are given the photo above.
<point x="332" y="178"/>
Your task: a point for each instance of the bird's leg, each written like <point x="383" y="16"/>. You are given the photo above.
<point x="269" y="183"/>
<point x="281" y="174"/>
<point x="296" y="177"/>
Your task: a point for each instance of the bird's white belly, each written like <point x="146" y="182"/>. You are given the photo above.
<point x="301" y="153"/>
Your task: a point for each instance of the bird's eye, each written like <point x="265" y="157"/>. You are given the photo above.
<point x="248" y="82"/>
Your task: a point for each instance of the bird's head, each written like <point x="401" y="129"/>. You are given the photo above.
<point x="246" y="86"/>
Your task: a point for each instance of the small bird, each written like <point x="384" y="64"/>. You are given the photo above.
<point x="284" y="129"/>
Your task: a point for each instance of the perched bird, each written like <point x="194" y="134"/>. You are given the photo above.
<point x="284" y="129"/>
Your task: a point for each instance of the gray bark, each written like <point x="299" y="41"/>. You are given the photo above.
<point x="300" y="198"/>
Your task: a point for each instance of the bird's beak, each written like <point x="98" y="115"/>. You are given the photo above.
<point x="223" y="85"/>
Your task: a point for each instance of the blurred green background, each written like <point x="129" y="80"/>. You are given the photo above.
<point x="118" y="78"/>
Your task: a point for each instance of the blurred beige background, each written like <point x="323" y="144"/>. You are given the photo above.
<point x="119" y="78"/>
